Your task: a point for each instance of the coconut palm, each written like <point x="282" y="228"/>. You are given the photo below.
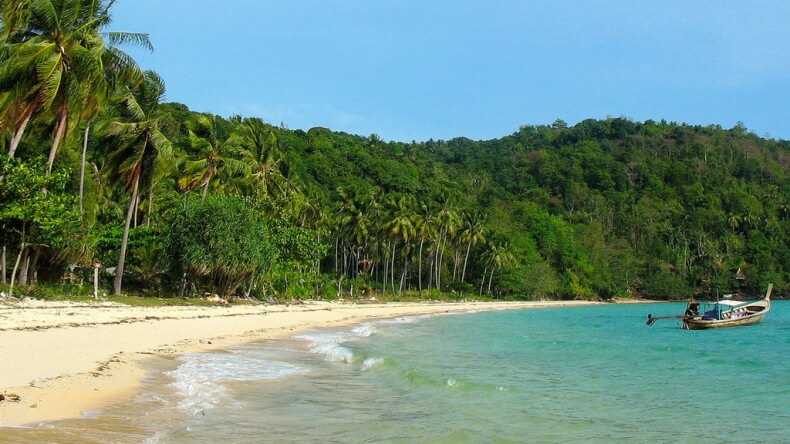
<point x="260" y="150"/>
<point x="473" y="233"/>
<point x="56" y="58"/>
<point x="423" y="227"/>
<point x="448" y="221"/>
<point x="213" y="154"/>
<point x="140" y="143"/>
<point x="401" y="228"/>
<point x="499" y="255"/>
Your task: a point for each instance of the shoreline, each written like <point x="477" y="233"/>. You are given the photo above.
<point x="65" y="360"/>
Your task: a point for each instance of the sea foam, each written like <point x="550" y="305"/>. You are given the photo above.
<point x="199" y="377"/>
<point x="369" y="363"/>
<point x="330" y="344"/>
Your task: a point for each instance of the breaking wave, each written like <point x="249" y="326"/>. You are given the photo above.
<point x="330" y="344"/>
<point x="200" y="376"/>
<point x="369" y="363"/>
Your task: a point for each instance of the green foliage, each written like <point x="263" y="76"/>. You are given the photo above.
<point x="600" y="209"/>
<point x="45" y="217"/>
<point x="219" y="242"/>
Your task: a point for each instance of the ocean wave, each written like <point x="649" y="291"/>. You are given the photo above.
<point x="406" y="319"/>
<point x="199" y="377"/>
<point x="330" y="344"/>
<point x="364" y="330"/>
<point x="400" y="320"/>
<point x="369" y="363"/>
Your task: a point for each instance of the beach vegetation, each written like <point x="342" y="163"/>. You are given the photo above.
<point x="99" y="171"/>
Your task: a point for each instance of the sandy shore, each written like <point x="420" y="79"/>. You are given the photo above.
<point x="64" y="359"/>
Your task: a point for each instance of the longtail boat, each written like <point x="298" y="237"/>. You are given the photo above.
<point x="722" y="313"/>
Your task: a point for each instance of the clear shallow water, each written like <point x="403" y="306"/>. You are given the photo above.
<point x="591" y="374"/>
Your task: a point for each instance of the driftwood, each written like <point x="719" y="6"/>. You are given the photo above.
<point x="10" y="397"/>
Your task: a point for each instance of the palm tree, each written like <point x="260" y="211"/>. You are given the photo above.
<point x="499" y="255"/>
<point x="448" y="221"/>
<point x="214" y="155"/>
<point x="473" y="233"/>
<point x="139" y="144"/>
<point x="55" y="58"/>
<point x="260" y="150"/>
<point x="89" y="111"/>
<point x="423" y="225"/>
<point x="401" y="228"/>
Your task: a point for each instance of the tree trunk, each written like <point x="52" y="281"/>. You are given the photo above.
<point x="249" y="289"/>
<point x="82" y="167"/>
<point x="430" y="275"/>
<point x="3" y="266"/>
<point x="466" y="259"/>
<point x="392" y="268"/>
<point x="122" y="257"/>
<point x="456" y="260"/>
<point x="483" y="280"/>
<point x="25" y="267"/>
<point x="136" y="208"/>
<point x="337" y="239"/>
<point x="60" y="132"/>
<point x="345" y="261"/>
<point x="20" y="130"/>
<point x="183" y="285"/>
<point x="95" y="282"/>
<point x="32" y="273"/>
<point x="403" y="275"/>
<point x="439" y="259"/>
<point x="490" y="279"/>
<point x="16" y="264"/>
<point x="150" y="206"/>
<point x="385" y="268"/>
<point x="419" y="258"/>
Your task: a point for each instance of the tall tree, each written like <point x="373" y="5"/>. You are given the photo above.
<point x="401" y="228"/>
<point x="56" y="58"/>
<point x="473" y="233"/>
<point x="139" y="144"/>
<point x="213" y="153"/>
<point x="259" y="149"/>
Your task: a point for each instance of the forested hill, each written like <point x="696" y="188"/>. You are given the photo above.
<point x="101" y="182"/>
<point x="601" y="208"/>
<point x="240" y="207"/>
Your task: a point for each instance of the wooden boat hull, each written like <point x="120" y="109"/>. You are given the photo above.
<point x="755" y="312"/>
<point x="699" y="324"/>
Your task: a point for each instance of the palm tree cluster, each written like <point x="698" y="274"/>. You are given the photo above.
<point x="63" y="72"/>
<point x="401" y="244"/>
<point x="97" y="173"/>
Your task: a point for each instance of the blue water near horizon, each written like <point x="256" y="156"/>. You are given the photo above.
<point x="587" y="374"/>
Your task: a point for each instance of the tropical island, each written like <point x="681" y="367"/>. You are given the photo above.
<point x="100" y="177"/>
<point x="132" y="226"/>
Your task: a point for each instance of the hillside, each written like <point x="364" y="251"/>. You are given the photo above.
<point x="600" y="209"/>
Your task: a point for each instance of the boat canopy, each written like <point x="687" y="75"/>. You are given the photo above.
<point x="730" y="302"/>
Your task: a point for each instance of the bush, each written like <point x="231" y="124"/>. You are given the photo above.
<point x="220" y="243"/>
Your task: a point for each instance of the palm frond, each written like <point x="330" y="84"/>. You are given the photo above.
<point x="44" y="15"/>
<point x="130" y="38"/>
<point x="50" y="73"/>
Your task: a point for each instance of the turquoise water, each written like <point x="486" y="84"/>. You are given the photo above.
<point x="589" y="374"/>
<point x="592" y="374"/>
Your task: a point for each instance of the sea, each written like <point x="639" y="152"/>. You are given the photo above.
<point x="592" y="374"/>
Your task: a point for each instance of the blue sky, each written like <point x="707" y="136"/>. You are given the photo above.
<point x="411" y="69"/>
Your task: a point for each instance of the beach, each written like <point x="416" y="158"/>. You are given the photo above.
<point x="62" y="359"/>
